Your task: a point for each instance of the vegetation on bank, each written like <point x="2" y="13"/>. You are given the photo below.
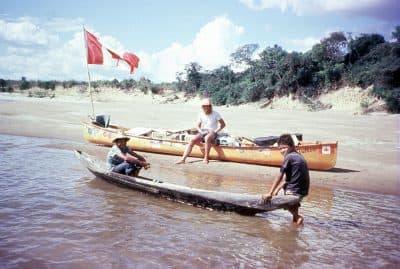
<point x="337" y="60"/>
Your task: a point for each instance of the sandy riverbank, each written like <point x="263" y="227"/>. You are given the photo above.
<point x="369" y="148"/>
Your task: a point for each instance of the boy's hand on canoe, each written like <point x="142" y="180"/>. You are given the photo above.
<point x="265" y="198"/>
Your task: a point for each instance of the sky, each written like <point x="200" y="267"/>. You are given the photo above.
<point x="43" y="39"/>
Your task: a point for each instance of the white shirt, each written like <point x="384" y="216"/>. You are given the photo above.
<point x="209" y="122"/>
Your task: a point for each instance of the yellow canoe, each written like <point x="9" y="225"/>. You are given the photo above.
<point x="319" y="155"/>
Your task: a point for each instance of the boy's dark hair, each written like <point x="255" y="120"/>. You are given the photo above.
<point x="286" y="139"/>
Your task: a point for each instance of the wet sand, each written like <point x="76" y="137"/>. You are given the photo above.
<point x="368" y="157"/>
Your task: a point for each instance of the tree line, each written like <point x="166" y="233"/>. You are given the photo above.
<point x="128" y="85"/>
<point x="337" y="60"/>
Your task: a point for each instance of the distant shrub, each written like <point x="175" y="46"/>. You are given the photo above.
<point x="156" y="90"/>
<point x="364" y="104"/>
<point x="70" y="83"/>
<point x="219" y="98"/>
<point x="47" y="85"/>
<point x="392" y="100"/>
<point x="391" y="97"/>
<point x="3" y="83"/>
<point x="144" y="85"/>
<point x="24" y="84"/>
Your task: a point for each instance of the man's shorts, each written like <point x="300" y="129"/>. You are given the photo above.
<point x="203" y="139"/>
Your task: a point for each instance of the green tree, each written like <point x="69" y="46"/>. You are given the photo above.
<point x="380" y="67"/>
<point x="24" y="85"/>
<point x="3" y="84"/>
<point x="144" y="85"/>
<point x="330" y="50"/>
<point x="47" y="85"/>
<point x="396" y="33"/>
<point x="363" y="45"/>
<point x="244" y="54"/>
<point x="193" y="76"/>
<point x="270" y="58"/>
<point x="115" y="83"/>
<point x="335" y="46"/>
<point x="181" y="83"/>
<point x="128" y="84"/>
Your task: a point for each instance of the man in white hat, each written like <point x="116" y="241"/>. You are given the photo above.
<point x="209" y="124"/>
<point x="123" y="160"/>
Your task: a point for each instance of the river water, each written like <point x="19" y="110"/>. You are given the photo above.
<point x="55" y="214"/>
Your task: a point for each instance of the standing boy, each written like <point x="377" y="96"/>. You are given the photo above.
<point x="297" y="181"/>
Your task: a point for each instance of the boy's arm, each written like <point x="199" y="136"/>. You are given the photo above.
<point x="279" y="188"/>
<point x="274" y="188"/>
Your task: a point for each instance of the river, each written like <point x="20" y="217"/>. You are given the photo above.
<point x="55" y="214"/>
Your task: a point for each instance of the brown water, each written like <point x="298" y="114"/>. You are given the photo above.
<point x="55" y="214"/>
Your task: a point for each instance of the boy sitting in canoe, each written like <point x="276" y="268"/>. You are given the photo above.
<point x="297" y="181"/>
<point x="123" y="160"/>
<point x="209" y="124"/>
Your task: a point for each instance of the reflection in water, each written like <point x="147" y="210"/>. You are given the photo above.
<point x="54" y="213"/>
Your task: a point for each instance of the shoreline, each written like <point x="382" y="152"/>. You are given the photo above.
<point x="367" y="158"/>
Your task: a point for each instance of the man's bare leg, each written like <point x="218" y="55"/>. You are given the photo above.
<point x="195" y="140"/>
<point x="207" y="145"/>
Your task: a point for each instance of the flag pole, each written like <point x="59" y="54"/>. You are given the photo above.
<point x="87" y="66"/>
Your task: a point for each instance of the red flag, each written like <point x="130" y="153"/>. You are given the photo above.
<point x="94" y="52"/>
<point x="132" y="60"/>
<point x="114" y="55"/>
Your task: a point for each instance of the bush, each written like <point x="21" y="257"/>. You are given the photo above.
<point x="269" y="93"/>
<point x="219" y="98"/>
<point x="391" y="97"/>
<point x="3" y="83"/>
<point x="144" y="85"/>
<point x="47" y="85"/>
<point x="251" y="91"/>
<point x="156" y="90"/>
<point x="392" y="100"/>
<point x="24" y="84"/>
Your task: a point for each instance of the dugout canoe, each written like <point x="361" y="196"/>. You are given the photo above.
<point x="319" y="155"/>
<point x="245" y="204"/>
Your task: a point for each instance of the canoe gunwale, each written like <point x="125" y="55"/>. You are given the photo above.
<point x="314" y="152"/>
<point x="196" y="197"/>
<point x="116" y="128"/>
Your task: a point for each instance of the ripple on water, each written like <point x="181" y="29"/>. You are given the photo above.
<point x="53" y="213"/>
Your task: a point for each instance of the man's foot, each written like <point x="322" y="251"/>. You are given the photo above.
<point x="205" y="161"/>
<point x="180" y="161"/>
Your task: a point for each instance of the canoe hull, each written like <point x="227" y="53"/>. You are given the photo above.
<point x="245" y="204"/>
<point x="319" y="156"/>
